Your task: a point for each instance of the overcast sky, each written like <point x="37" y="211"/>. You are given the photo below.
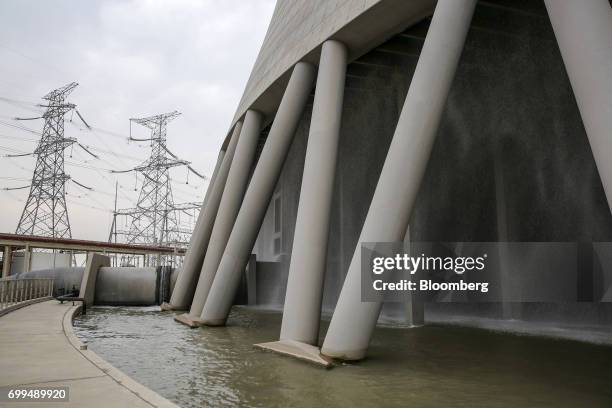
<point x="131" y="59"/>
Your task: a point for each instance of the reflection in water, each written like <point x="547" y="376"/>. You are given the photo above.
<point x="433" y="366"/>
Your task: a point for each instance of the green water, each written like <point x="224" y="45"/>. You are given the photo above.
<point x="432" y="366"/>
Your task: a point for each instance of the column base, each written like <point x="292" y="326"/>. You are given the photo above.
<point x="214" y="322"/>
<point x="169" y="306"/>
<point x="188" y="320"/>
<point x="295" y="349"/>
<point x="351" y="355"/>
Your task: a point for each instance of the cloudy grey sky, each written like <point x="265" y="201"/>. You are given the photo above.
<point x="131" y="58"/>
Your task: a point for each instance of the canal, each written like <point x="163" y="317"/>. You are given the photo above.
<point x="432" y="366"/>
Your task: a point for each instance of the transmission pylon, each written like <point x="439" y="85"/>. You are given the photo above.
<point x="45" y="212"/>
<point x="155" y="219"/>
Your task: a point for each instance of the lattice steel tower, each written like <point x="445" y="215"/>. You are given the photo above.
<point x="45" y="212"/>
<point x="154" y="219"/>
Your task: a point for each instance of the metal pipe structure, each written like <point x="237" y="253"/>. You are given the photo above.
<point x="258" y="195"/>
<point x="302" y="311"/>
<point x="353" y="321"/>
<point x="235" y="186"/>
<point x="584" y="33"/>
<point x="186" y="281"/>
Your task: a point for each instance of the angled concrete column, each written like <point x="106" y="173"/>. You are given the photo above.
<point x="6" y="261"/>
<point x="186" y="281"/>
<point x="213" y="178"/>
<point x="257" y="196"/>
<point x="190" y="255"/>
<point x="235" y="186"/>
<point x="302" y="311"/>
<point x="353" y="320"/>
<point x="584" y="33"/>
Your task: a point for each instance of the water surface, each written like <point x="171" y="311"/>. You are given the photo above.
<point x="432" y="366"/>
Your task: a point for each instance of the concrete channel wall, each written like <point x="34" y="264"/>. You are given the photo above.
<point x="44" y="351"/>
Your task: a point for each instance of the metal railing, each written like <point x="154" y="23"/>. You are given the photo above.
<point x="15" y="291"/>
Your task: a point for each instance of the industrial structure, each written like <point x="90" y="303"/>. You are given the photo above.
<point x="363" y="124"/>
<point x="45" y="212"/>
<point x="156" y="218"/>
<point x="14" y="242"/>
<point x="453" y="120"/>
<point x="156" y="221"/>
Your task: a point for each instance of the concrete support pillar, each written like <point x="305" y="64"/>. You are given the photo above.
<point x="235" y="186"/>
<point x="257" y="196"/>
<point x="414" y="307"/>
<point x="251" y="280"/>
<point x="387" y="220"/>
<point x="7" y="258"/>
<point x="186" y="281"/>
<point x="90" y="275"/>
<point x="302" y="311"/>
<point x="3" y="292"/>
<point x="213" y="178"/>
<point x="27" y="259"/>
<point x="584" y="33"/>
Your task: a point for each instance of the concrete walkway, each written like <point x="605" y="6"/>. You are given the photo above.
<point x="38" y="348"/>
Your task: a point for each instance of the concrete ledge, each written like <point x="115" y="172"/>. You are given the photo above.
<point x="23" y="304"/>
<point x="188" y="320"/>
<point x="301" y="351"/>
<point x="144" y="393"/>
